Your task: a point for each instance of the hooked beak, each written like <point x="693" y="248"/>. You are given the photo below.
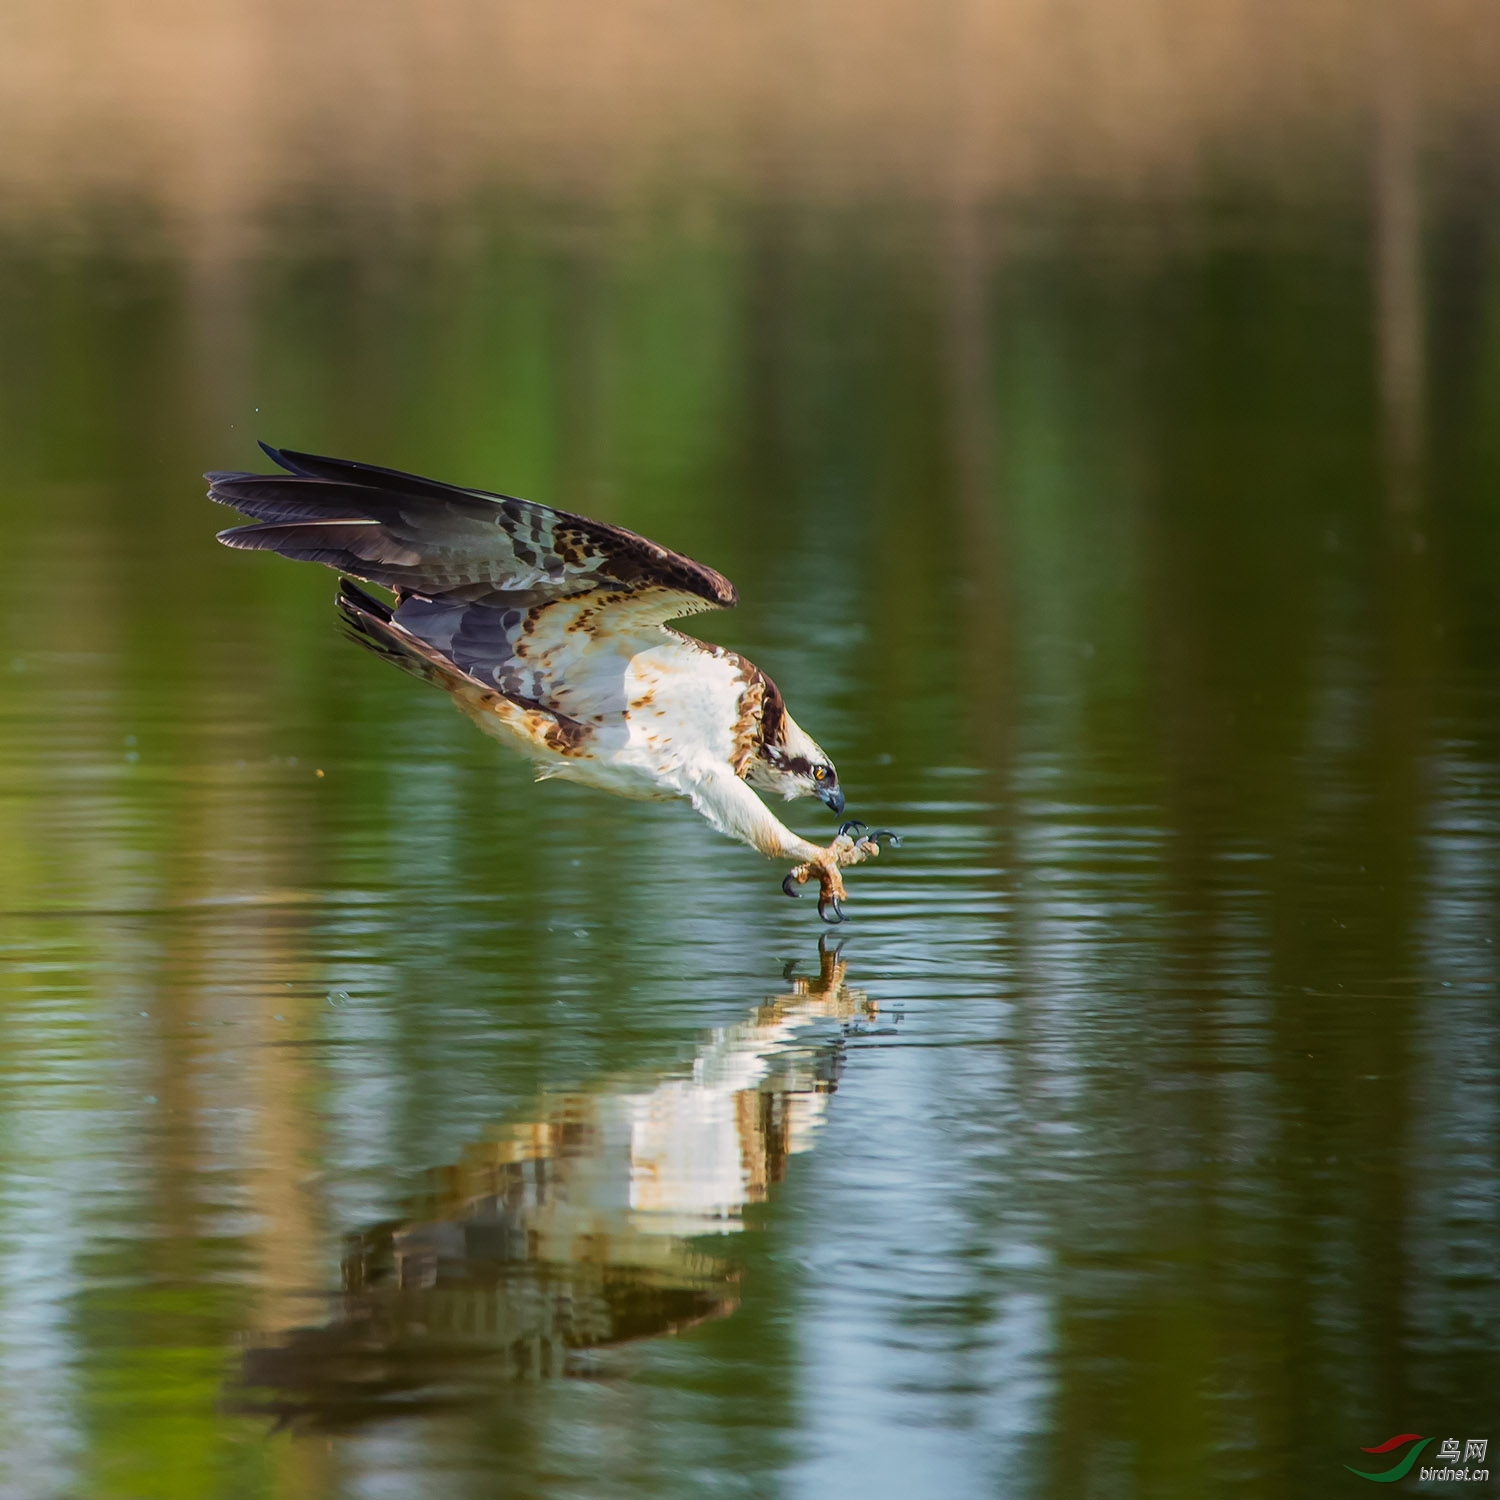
<point x="833" y="796"/>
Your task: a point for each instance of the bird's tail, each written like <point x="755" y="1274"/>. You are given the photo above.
<point x="372" y="625"/>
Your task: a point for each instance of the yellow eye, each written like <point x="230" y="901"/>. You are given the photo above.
<point x="820" y="773"/>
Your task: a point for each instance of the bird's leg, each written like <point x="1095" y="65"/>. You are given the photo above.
<point x="824" y="867"/>
<point x="732" y="807"/>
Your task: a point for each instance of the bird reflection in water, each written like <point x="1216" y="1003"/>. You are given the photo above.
<point x="574" y="1230"/>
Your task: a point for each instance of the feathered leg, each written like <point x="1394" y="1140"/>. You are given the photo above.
<point x="732" y="807"/>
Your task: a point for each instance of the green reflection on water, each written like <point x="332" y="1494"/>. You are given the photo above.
<point x="1076" y="548"/>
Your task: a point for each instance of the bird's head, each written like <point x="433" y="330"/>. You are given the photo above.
<point x="790" y="763"/>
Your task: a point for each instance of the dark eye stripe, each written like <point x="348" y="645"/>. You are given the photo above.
<point x="800" y="765"/>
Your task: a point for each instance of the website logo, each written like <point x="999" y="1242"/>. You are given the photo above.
<point x="1450" y="1455"/>
<point x="1403" y="1466"/>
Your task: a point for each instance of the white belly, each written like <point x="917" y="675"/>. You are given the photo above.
<point x="658" y="715"/>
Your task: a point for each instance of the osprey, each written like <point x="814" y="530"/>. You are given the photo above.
<point x="550" y="631"/>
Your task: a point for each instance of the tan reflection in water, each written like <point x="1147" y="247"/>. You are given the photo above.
<point x="577" y="1228"/>
<point x="1397" y="258"/>
<point x="221" y="112"/>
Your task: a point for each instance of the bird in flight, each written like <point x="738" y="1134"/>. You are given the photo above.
<point x="550" y="631"/>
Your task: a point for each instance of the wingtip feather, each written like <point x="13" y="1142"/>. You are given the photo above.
<point x="352" y="597"/>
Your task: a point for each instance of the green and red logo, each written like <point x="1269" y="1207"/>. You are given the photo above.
<point x="1402" y="1466"/>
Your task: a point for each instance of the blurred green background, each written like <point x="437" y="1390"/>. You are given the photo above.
<point x="1097" y="410"/>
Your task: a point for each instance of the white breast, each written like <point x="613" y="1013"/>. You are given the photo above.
<point x="660" y="706"/>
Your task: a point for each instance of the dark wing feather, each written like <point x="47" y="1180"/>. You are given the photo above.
<point x="272" y="502"/>
<point x="420" y="536"/>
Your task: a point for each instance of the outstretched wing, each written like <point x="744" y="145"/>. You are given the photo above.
<point x="454" y="546"/>
<point x="513" y="594"/>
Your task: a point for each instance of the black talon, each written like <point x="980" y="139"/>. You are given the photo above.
<point x="888" y="834"/>
<point x="838" y="911"/>
<point x="786" y="885"/>
<point x="850" y="826"/>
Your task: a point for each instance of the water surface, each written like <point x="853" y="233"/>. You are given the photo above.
<point x="376" y="1123"/>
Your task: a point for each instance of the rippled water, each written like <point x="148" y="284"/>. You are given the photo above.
<point x="375" y="1123"/>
